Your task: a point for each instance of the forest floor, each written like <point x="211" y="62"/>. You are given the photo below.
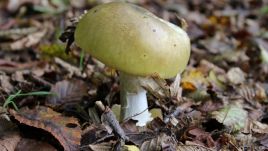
<point x="47" y="97"/>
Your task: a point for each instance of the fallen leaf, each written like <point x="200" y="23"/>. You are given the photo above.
<point x="228" y="142"/>
<point x="14" y="5"/>
<point x="193" y="79"/>
<point x="198" y="95"/>
<point x="130" y="126"/>
<point x="139" y="138"/>
<point x="93" y="133"/>
<point x="264" y="50"/>
<point x="247" y="92"/>
<point x="215" y="82"/>
<point x="232" y="115"/>
<point x="9" y="141"/>
<point x="9" y="135"/>
<point x="236" y="75"/>
<point x="5" y="83"/>
<point x="10" y="67"/>
<point x="258" y="127"/>
<point x="209" y="106"/>
<point x="219" y="43"/>
<point x="25" y="42"/>
<point x="156" y="112"/>
<point x="131" y="148"/>
<point x="157" y="124"/>
<point x="18" y="76"/>
<point x="264" y="141"/>
<point x="33" y="145"/>
<point x="162" y="142"/>
<point x="192" y="148"/>
<point x="107" y="146"/>
<point x="67" y="91"/>
<point x="65" y="129"/>
<point x="201" y="137"/>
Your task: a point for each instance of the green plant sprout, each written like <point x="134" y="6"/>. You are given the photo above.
<point x="10" y="99"/>
<point x="82" y="55"/>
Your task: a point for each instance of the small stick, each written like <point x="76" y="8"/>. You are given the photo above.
<point x="108" y="118"/>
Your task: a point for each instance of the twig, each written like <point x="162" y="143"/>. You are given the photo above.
<point x="72" y="69"/>
<point x="108" y="118"/>
<point x="41" y="80"/>
<point x="136" y="114"/>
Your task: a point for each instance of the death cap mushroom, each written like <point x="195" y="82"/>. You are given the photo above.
<point x="133" y="40"/>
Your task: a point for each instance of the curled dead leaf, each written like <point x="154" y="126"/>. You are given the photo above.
<point x="65" y="129"/>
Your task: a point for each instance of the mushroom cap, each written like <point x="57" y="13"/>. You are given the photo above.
<point x="133" y="40"/>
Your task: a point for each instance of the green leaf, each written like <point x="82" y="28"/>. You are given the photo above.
<point x="232" y="115"/>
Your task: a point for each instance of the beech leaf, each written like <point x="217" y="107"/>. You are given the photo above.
<point x="232" y="115"/>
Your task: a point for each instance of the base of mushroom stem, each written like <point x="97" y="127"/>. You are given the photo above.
<point x="133" y="100"/>
<point x="137" y="108"/>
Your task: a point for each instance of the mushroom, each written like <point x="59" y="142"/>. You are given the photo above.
<point x="136" y="43"/>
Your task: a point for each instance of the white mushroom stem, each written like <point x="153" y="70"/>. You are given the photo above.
<point x="133" y="100"/>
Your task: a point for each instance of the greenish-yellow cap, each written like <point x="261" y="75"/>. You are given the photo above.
<point x="133" y="40"/>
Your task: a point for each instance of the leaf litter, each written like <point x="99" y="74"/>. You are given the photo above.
<point x="218" y="103"/>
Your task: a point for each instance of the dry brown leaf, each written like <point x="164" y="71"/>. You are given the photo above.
<point x="201" y="137"/>
<point x="25" y="42"/>
<point x="193" y="79"/>
<point x="93" y="134"/>
<point x="219" y="43"/>
<point x="162" y="142"/>
<point x="192" y="148"/>
<point x="205" y="66"/>
<point x="130" y="126"/>
<point x="14" y="5"/>
<point x="102" y="147"/>
<point x="9" y="141"/>
<point x="67" y="91"/>
<point x="18" y="76"/>
<point x="5" y="83"/>
<point x="264" y="141"/>
<point x="209" y="106"/>
<point x="259" y="127"/>
<point x="65" y="129"/>
<point x="33" y="145"/>
<point x="139" y="138"/>
<point x="236" y="76"/>
<point x="10" y="67"/>
<point x="9" y="135"/>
